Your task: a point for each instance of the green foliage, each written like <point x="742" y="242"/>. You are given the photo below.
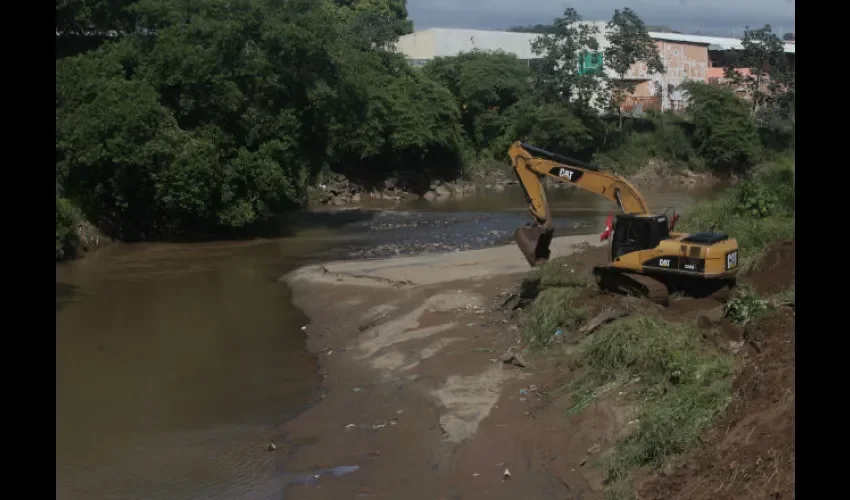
<point x="724" y="129"/>
<point x="683" y="386"/>
<point x="755" y="222"/>
<point x="227" y="112"/>
<point x="556" y="127"/>
<point x="485" y="86"/>
<point x="78" y="17"/>
<point x="553" y="287"/>
<point x="763" y="53"/>
<point x="201" y="116"/>
<point x="68" y="219"/>
<point x="629" y="43"/>
<point x="755" y="200"/>
<point x="632" y="150"/>
<point x="745" y="307"/>
<point x="558" y="77"/>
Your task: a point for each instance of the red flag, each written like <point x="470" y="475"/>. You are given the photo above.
<point x="673" y="221"/>
<point x="605" y="235"/>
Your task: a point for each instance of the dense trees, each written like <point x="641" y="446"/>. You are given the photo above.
<point x="186" y="116"/>
<point x="217" y="113"/>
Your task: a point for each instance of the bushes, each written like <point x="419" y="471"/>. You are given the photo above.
<point x="724" y="129"/>
<point x="68" y="219"/>
<point x="633" y="149"/>
<point x="219" y="122"/>
<point x="757" y="212"/>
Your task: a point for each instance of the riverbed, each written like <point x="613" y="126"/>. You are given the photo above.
<point x="177" y="362"/>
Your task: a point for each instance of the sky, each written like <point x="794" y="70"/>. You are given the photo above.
<point x="706" y="17"/>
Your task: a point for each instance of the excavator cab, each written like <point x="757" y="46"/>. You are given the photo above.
<point x="635" y="232"/>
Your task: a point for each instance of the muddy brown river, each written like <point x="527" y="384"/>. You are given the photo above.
<point x="175" y="362"/>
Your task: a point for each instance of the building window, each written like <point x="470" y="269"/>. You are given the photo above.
<point x="592" y="62"/>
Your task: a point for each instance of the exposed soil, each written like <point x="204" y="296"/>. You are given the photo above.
<point x="420" y="395"/>
<point x="776" y="269"/>
<point x="749" y="452"/>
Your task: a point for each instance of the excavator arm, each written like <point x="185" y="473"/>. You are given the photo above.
<point x="531" y="164"/>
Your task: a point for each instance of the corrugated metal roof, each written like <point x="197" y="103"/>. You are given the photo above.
<point x="713" y="42"/>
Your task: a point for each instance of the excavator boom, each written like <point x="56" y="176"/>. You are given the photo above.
<point x="531" y="164"/>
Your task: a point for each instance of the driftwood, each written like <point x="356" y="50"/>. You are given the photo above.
<point x="602" y="318"/>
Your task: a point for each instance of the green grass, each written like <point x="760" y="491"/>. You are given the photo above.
<point x="554" y="288"/>
<point x="746" y="306"/>
<point x="683" y="386"/>
<point x="757" y="212"/>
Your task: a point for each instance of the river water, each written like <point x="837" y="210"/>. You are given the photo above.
<point x="176" y="361"/>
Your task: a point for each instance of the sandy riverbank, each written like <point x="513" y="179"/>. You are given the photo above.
<point x="416" y="394"/>
<point x="414" y="391"/>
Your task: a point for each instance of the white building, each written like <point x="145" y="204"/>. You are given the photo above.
<point x="422" y="46"/>
<point x="685" y="57"/>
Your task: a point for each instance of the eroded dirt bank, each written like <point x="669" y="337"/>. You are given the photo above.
<point x="417" y="393"/>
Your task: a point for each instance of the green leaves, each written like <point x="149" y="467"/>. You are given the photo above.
<point x="484" y="86"/>
<point x="558" y="76"/>
<point x="219" y="113"/>
<point x="724" y="128"/>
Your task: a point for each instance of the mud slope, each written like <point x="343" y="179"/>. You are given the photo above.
<point x="749" y="452"/>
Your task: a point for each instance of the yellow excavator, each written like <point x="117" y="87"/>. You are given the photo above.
<point x="645" y="256"/>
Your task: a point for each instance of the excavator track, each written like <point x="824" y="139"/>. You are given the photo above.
<point x="632" y="284"/>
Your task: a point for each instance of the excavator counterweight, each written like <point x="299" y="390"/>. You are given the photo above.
<point x="645" y="256"/>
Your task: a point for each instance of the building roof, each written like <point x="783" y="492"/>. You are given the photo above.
<point x="713" y="42"/>
<point x="451" y="41"/>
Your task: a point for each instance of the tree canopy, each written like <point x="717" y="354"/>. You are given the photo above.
<point x="192" y="116"/>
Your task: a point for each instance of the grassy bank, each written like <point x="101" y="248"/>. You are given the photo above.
<point x="757" y="212"/>
<point x="678" y="379"/>
<point x="682" y="385"/>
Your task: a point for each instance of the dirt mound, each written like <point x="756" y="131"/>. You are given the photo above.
<point x="585" y="260"/>
<point x="749" y="452"/>
<point x="776" y="269"/>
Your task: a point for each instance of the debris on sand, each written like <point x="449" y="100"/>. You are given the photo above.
<point x="313" y="477"/>
<point x="506" y="475"/>
<point x="271" y="446"/>
<point x="514" y="358"/>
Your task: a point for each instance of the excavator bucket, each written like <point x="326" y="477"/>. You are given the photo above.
<point x="533" y="242"/>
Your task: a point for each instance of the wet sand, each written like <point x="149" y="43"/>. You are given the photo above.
<point x="415" y="392"/>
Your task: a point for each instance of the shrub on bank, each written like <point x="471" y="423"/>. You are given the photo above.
<point x="725" y="132"/>
<point x="68" y="219"/>
<point x="757" y="212"/>
<point x="658" y="138"/>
